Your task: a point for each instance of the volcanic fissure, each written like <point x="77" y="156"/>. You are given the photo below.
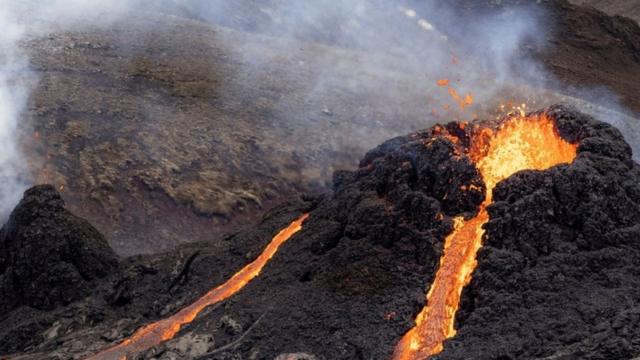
<point x="521" y="142"/>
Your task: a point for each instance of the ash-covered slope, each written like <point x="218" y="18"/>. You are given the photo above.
<point x="557" y="276"/>
<point x="162" y="129"/>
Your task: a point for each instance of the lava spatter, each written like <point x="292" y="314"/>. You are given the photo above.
<point x="165" y="329"/>
<point x="520" y="142"/>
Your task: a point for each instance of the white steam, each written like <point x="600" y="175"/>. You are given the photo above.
<point x="19" y="21"/>
<point x="479" y="54"/>
<point x="485" y="55"/>
<point x="12" y="104"/>
<point x="482" y="56"/>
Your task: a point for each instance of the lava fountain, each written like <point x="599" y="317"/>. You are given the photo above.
<point x="165" y="329"/>
<point x="521" y="142"/>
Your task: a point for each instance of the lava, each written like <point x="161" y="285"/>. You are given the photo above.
<point x="463" y="102"/>
<point x="520" y="142"/>
<point x="165" y="329"/>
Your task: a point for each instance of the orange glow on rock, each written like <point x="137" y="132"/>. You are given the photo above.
<point x="165" y="329"/>
<point x="520" y="142"/>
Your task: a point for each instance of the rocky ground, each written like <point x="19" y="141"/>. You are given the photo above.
<point x="555" y="279"/>
<point x="173" y="126"/>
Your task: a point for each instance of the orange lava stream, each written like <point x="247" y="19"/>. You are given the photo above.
<point x="165" y="329"/>
<point x="521" y="142"/>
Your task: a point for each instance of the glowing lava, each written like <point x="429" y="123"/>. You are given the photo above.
<point x="163" y="330"/>
<point x="521" y="142"/>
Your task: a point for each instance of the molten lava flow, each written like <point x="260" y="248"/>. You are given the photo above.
<point x="521" y="142"/>
<point x="163" y="330"/>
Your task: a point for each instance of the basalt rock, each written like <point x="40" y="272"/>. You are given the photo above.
<point x="48" y="256"/>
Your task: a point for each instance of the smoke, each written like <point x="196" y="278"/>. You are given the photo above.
<point x="484" y="55"/>
<point x="12" y="105"/>
<point x="360" y="46"/>
<point x="392" y="53"/>
<point x="19" y="21"/>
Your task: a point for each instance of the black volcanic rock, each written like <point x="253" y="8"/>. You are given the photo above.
<point x="559" y="273"/>
<point x="349" y="283"/>
<point x="48" y="256"/>
<point x="557" y="278"/>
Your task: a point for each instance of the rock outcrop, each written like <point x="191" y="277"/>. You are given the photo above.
<point x="48" y="256"/>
